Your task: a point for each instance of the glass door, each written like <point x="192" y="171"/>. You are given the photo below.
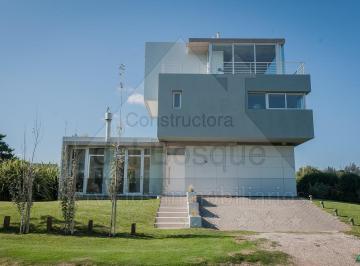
<point x="134" y="171"/>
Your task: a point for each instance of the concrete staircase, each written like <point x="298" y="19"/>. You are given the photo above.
<point x="172" y="213"/>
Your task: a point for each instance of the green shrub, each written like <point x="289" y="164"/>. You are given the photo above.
<point x="45" y="179"/>
<point x="320" y="190"/>
<point x="348" y="187"/>
<point x="334" y="185"/>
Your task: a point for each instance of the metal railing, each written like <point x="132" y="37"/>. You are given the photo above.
<point x="297" y="68"/>
<point x="262" y="68"/>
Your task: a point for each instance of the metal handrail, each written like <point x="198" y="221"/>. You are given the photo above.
<point x="297" y="68"/>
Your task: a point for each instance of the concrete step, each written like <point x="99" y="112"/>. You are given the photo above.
<point x="174" y="205"/>
<point x="171" y="225"/>
<point x="173" y="201"/>
<point x="171" y="219"/>
<point x="172" y="214"/>
<point x="172" y="209"/>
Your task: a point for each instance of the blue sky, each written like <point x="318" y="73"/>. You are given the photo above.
<point x="59" y="60"/>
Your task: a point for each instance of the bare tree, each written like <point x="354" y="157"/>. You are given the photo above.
<point x="117" y="164"/>
<point x="21" y="189"/>
<point x="115" y="182"/>
<point x="69" y="171"/>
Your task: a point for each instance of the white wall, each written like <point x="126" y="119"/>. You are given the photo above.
<point x="241" y="170"/>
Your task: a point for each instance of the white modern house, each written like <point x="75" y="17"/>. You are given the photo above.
<point x="229" y="113"/>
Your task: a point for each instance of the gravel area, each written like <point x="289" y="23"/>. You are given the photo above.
<point x="335" y="249"/>
<point x="267" y="215"/>
<point x="297" y="227"/>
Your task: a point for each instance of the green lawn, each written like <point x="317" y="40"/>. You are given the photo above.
<point x="150" y="246"/>
<point x="345" y="211"/>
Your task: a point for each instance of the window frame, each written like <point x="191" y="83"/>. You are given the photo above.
<point x="267" y="106"/>
<point x="174" y="93"/>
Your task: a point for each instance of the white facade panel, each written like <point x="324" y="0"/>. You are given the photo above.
<point x="249" y="170"/>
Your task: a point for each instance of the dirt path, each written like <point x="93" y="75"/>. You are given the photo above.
<point x="309" y="249"/>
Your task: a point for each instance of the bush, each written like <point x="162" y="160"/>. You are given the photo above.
<point x="334" y="185"/>
<point x="320" y="190"/>
<point x="45" y="179"/>
<point x="348" y="187"/>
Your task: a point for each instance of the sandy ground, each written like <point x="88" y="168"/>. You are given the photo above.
<point x="297" y="227"/>
<point x="316" y="248"/>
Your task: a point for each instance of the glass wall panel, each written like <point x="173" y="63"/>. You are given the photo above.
<point x="222" y="58"/>
<point x="295" y="101"/>
<point x="146" y="174"/>
<point x="256" y="101"/>
<point x="80" y="157"/>
<point x="226" y="50"/>
<point x="244" y="58"/>
<point x="265" y="59"/>
<point x="276" y="100"/>
<point x="96" y="174"/>
<point x="134" y="173"/>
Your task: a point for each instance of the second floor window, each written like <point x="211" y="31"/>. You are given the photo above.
<point x="276" y="100"/>
<point x="262" y="100"/>
<point x="176" y="99"/>
<point x="256" y="101"/>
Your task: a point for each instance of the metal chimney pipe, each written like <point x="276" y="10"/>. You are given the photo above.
<point x="108" y="118"/>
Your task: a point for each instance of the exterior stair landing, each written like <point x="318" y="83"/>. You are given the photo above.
<point x="172" y="213"/>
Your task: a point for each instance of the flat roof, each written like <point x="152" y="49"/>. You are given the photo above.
<point x="100" y="141"/>
<point x="238" y="40"/>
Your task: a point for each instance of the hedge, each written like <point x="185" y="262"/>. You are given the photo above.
<point x="45" y="179"/>
<point x="336" y="185"/>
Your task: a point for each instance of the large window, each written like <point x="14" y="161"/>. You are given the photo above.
<point x="134" y="170"/>
<point x="243" y="58"/>
<point x="96" y="171"/>
<point x="276" y="101"/>
<point x="256" y="101"/>
<point x="79" y="155"/>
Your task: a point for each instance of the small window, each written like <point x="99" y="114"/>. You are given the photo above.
<point x="256" y="101"/>
<point x="295" y="101"/>
<point x="177" y="99"/>
<point x="276" y="100"/>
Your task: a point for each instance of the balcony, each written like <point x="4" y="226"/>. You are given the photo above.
<point x="290" y="68"/>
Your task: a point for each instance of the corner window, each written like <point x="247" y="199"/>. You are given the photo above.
<point x="256" y="101"/>
<point x="176" y="99"/>
<point x="276" y="101"/>
<point x="295" y="101"/>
